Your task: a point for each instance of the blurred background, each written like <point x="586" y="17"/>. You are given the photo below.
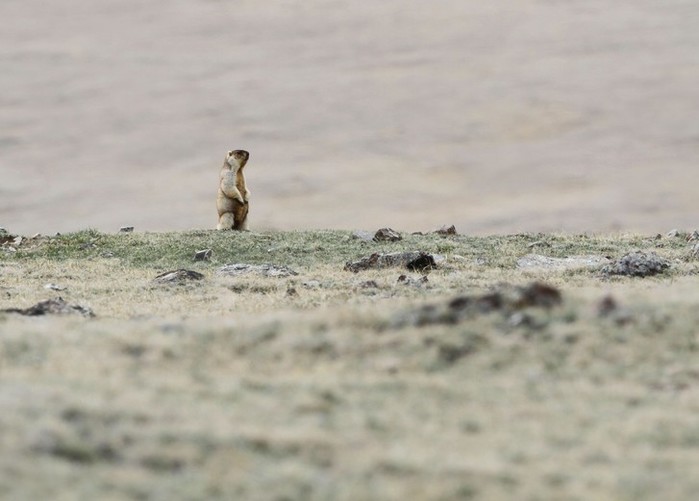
<point x="498" y="116"/>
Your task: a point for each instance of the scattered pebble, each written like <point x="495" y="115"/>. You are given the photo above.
<point x="54" y="287"/>
<point x="413" y="282"/>
<point x="177" y="276"/>
<point x="637" y="264"/>
<point x="56" y="306"/>
<point x="267" y="270"/>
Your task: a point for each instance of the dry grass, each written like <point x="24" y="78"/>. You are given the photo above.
<point x="240" y="388"/>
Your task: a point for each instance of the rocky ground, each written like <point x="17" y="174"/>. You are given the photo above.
<point x="270" y="366"/>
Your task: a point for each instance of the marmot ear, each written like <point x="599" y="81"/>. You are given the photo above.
<point x="229" y="153"/>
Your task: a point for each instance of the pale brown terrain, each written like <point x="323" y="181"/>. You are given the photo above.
<point x="334" y="385"/>
<point x="495" y="116"/>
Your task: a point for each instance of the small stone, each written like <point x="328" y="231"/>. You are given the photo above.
<point x="126" y="229"/>
<point x="291" y="292"/>
<point x="311" y="284"/>
<point x="203" y="255"/>
<point x="674" y="233"/>
<point x="54" y="287"/>
<point x="520" y="319"/>
<point x="387" y="235"/>
<point x="413" y="282"/>
<point x="177" y="276"/>
<point x="693" y="236"/>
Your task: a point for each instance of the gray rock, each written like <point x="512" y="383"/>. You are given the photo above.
<point x="637" y="264"/>
<point x="126" y="229"/>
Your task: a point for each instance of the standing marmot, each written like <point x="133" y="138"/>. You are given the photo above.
<point x="233" y="197"/>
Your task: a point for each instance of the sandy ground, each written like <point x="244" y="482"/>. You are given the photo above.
<point x="497" y="116"/>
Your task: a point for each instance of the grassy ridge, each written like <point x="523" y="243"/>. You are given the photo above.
<point x="310" y="248"/>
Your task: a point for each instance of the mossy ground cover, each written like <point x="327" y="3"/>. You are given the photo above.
<point x="315" y="386"/>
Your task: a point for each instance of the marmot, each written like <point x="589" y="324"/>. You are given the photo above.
<point x="233" y="197"/>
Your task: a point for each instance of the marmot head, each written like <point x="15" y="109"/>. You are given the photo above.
<point x="237" y="158"/>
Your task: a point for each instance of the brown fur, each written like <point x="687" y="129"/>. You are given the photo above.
<point x="233" y="199"/>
